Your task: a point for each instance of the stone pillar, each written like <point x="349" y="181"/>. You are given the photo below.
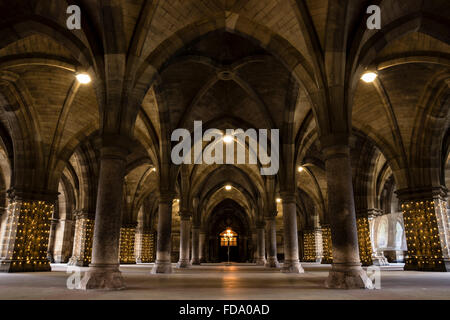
<point x="126" y="244"/>
<point x="82" y="243"/>
<point x="202" y="247"/>
<point x="378" y="259"/>
<point x="346" y="270"/>
<point x="291" y="261"/>
<point x="63" y="241"/>
<point x="163" y="249"/>
<point x="104" y="271"/>
<point x="427" y="229"/>
<point x="25" y="241"/>
<point x="272" y="260"/>
<point x="195" y="245"/>
<point x="261" y="248"/>
<point x="185" y="234"/>
<point x="364" y="243"/>
<point x="51" y="240"/>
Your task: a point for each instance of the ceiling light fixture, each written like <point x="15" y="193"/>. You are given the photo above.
<point x="300" y="169"/>
<point x="278" y="200"/>
<point x="227" y="138"/>
<point x="369" y="77"/>
<point x="83" y="78"/>
<point x="228" y="187"/>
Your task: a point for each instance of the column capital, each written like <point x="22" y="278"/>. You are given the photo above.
<point x="83" y="214"/>
<point x="420" y="193"/>
<point x="185" y="214"/>
<point x="260" y="224"/>
<point x="18" y="194"/>
<point x="167" y="197"/>
<point x="130" y="225"/>
<point x="335" y="140"/>
<point x="336" y="151"/>
<point x="119" y="145"/>
<point x="288" y="197"/>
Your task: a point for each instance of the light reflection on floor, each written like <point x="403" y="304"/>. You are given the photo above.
<point x="218" y="281"/>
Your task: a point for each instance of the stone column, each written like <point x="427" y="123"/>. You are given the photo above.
<point x="82" y="243"/>
<point x="195" y="245"/>
<point x="346" y="270"/>
<point x="63" y="241"/>
<point x="51" y="240"/>
<point x="261" y="244"/>
<point x="272" y="260"/>
<point x="104" y="271"/>
<point x="202" y="247"/>
<point x="427" y="228"/>
<point x="163" y="261"/>
<point x="185" y="234"/>
<point x="144" y="245"/>
<point x="291" y="261"/>
<point x="26" y="235"/>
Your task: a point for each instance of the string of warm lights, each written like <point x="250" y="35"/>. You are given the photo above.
<point x="422" y="236"/>
<point x="82" y="251"/>
<point x="365" y="246"/>
<point x="309" y="245"/>
<point x="29" y="224"/>
<point x="126" y="245"/>
<point x="327" y="254"/>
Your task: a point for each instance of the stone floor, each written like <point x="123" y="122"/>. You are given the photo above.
<point x="238" y="281"/>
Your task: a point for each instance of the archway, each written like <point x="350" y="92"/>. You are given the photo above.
<point x="228" y="215"/>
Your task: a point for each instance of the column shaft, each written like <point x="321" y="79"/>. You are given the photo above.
<point x="163" y="255"/>
<point x="202" y="247"/>
<point x="104" y="271"/>
<point x="185" y="233"/>
<point x="261" y="246"/>
<point x="195" y="246"/>
<point x="272" y="260"/>
<point x="346" y="269"/>
<point x="291" y="261"/>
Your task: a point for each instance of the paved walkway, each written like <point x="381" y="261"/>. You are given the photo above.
<point x="217" y="281"/>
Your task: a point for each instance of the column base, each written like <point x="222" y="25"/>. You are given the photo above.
<point x="379" y="260"/>
<point x="77" y="262"/>
<point x="103" y="277"/>
<point x="272" y="262"/>
<point x="260" y="262"/>
<point x="11" y="266"/>
<point x="183" y="264"/>
<point x="347" y="277"/>
<point x="162" y="267"/>
<point x="195" y="262"/>
<point x="292" y="266"/>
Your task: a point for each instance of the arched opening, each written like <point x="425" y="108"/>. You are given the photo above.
<point x="228" y="216"/>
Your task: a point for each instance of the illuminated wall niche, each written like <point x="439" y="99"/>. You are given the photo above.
<point x="145" y="247"/>
<point x="313" y="245"/>
<point x="365" y="245"/>
<point x="25" y="243"/>
<point x="83" y="238"/>
<point x="426" y="228"/>
<point x="126" y="244"/>
<point x="327" y="256"/>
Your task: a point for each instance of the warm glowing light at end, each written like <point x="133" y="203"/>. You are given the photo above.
<point x="278" y="200"/>
<point x="227" y="138"/>
<point x="369" y="77"/>
<point x="300" y="169"/>
<point x="228" y="187"/>
<point x="83" y="78"/>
